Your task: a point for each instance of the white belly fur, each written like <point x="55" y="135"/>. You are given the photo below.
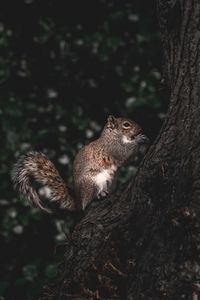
<point x="105" y="177"/>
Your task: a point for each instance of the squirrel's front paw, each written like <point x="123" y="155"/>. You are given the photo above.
<point x="102" y="194"/>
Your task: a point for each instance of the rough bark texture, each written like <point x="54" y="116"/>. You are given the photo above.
<point x="144" y="243"/>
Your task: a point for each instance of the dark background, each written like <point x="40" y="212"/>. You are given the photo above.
<point x="64" y="67"/>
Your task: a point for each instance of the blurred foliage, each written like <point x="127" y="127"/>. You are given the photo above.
<point x="64" y="66"/>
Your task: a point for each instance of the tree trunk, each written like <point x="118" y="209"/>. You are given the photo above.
<point x="144" y="243"/>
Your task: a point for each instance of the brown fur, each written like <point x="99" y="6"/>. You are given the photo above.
<point x="94" y="171"/>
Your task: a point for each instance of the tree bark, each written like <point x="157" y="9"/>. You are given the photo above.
<point x="144" y="242"/>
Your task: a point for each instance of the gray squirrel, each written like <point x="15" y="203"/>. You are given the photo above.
<point x="94" y="170"/>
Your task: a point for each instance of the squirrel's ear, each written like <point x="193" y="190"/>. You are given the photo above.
<point x="111" y="122"/>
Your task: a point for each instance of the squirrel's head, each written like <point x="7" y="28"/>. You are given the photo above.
<point x="125" y="129"/>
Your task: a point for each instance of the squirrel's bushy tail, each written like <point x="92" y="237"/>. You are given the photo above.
<point x="35" y="165"/>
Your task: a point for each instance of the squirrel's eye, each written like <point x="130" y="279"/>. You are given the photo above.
<point x="126" y="125"/>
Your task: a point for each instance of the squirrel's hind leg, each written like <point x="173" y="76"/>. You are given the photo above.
<point x="86" y="191"/>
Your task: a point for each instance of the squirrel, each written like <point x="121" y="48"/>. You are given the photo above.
<point x="94" y="170"/>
